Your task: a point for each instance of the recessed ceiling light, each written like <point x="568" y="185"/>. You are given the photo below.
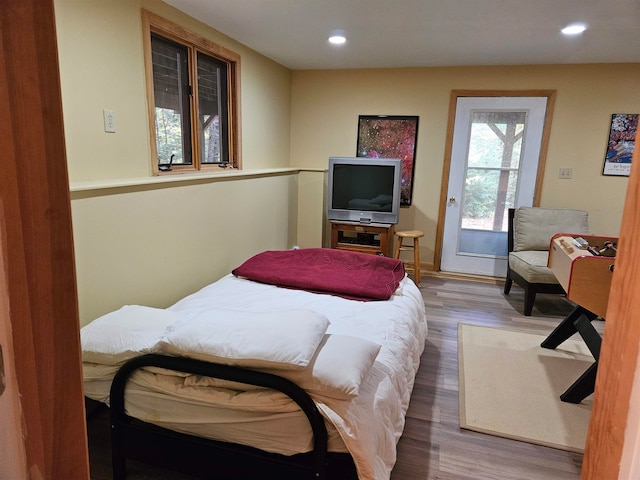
<point x="574" y="29"/>
<point x="337" y="37"/>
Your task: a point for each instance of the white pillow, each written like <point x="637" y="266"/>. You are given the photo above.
<point x="338" y="367"/>
<point x="125" y="333"/>
<point x="281" y="340"/>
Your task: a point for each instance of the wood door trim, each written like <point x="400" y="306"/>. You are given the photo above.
<point x="617" y="369"/>
<point x="38" y="252"/>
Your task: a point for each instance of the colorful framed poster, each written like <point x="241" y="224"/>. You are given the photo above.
<point x="622" y="139"/>
<point x="387" y="136"/>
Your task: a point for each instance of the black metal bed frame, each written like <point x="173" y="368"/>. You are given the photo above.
<point x="135" y="439"/>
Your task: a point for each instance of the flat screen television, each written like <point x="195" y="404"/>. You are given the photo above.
<point x="365" y="190"/>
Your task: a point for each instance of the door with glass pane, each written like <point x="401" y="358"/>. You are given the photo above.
<point x="494" y="162"/>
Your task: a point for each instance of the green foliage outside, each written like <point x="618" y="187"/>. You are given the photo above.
<point x="168" y="136"/>
<point x="481" y="190"/>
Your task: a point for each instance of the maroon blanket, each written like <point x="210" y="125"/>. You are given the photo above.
<point x="352" y="275"/>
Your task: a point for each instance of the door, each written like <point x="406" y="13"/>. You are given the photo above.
<point x="42" y="421"/>
<point x="495" y="151"/>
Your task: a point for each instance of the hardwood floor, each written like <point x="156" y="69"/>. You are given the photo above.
<point x="433" y="447"/>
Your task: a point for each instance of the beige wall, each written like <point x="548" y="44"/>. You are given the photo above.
<point x="141" y="246"/>
<point x="101" y="67"/>
<point x="289" y="119"/>
<point x="150" y="243"/>
<point x="326" y="105"/>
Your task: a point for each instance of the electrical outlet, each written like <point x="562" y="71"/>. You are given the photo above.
<point x="565" y="172"/>
<point x="109" y="121"/>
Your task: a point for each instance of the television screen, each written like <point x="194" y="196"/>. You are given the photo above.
<point x="364" y="189"/>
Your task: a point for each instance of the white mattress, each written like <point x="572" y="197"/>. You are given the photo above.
<point x="368" y="426"/>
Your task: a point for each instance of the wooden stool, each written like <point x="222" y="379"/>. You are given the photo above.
<point x="415" y="234"/>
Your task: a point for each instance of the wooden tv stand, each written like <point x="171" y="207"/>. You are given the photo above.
<point x="374" y="238"/>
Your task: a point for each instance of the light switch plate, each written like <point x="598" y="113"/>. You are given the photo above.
<point x="565" y="172"/>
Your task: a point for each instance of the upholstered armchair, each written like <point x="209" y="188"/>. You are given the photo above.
<point x="529" y="234"/>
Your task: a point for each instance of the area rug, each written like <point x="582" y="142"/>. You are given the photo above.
<point x="510" y="387"/>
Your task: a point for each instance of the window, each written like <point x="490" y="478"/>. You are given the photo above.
<point x="193" y="100"/>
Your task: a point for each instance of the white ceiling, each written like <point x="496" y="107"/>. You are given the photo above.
<point x="417" y="33"/>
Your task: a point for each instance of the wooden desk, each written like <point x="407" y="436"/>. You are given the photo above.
<point x="587" y="279"/>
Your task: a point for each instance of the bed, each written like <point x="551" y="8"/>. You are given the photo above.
<point x="302" y="361"/>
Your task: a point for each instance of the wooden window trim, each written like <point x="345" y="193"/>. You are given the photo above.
<point x="156" y="24"/>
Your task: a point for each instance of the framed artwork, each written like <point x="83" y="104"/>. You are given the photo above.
<point x="622" y="140"/>
<point x="387" y="136"/>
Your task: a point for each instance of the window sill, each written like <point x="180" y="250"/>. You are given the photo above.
<point x="162" y="180"/>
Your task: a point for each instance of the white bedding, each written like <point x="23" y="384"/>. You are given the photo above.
<point x="365" y="403"/>
<point x="285" y="340"/>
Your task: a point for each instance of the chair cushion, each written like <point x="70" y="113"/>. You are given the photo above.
<point x="533" y="227"/>
<point x="532" y="266"/>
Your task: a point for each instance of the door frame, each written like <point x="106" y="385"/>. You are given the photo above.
<point x="613" y="439"/>
<point x="38" y="308"/>
<point x="453" y="100"/>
